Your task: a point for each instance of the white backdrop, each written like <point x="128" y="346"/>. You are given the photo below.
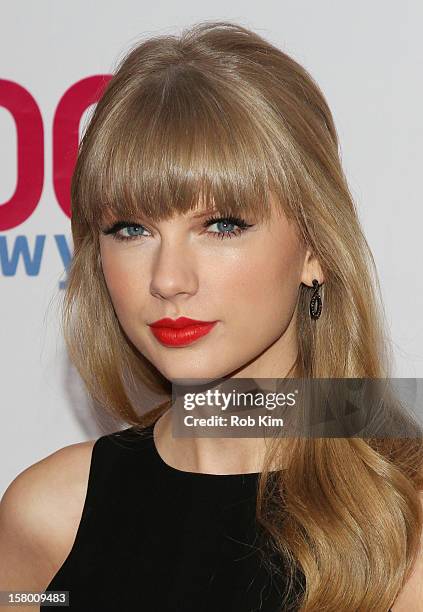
<point x="368" y="59"/>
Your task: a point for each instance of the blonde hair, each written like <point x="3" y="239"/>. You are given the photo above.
<point x="222" y="114"/>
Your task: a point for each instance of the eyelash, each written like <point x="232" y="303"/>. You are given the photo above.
<point x="242" y="225"/>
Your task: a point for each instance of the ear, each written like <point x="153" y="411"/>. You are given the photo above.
<point x="311" y="269"/>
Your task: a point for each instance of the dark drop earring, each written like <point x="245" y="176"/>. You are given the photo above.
<point x="316" y="301"/>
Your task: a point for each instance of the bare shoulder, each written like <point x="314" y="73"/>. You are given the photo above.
<point x="411" y="595"/>
<point x="39" y="516"/>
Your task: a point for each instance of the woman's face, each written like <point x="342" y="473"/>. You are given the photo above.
<point x="246" y="281"/>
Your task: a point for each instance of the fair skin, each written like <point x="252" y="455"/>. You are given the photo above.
<point x="187" y="271"/>
<point x="175" y="270"/>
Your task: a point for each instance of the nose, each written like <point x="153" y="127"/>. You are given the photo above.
<point x="173" y="271"/>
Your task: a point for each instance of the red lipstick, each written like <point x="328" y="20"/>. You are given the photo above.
<point x="181" y="331"/>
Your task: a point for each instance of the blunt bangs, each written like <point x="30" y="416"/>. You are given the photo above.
<point x="179" y="142"/>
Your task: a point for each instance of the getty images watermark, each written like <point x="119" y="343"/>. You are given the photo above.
<point x="220" y="400"/>
<point x="341" y="407"/>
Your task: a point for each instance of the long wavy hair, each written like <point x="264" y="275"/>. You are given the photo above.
<point x="220" y="112"/>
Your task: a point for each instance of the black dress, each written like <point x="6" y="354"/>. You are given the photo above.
<point x="157" y="539"/>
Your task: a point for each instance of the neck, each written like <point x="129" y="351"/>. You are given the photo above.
<point x="208" y="455"/>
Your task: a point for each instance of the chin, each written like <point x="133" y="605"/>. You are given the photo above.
<point x="190" y="376"/>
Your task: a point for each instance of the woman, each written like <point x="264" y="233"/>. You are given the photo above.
<point x="209" y="186"/>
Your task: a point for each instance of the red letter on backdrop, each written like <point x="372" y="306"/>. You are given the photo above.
<point x="66" y="121"/>
<point x="30" y="154"/>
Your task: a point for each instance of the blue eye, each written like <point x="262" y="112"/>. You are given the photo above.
<point x="123" y="225"/>
<point x="225" y="222"/>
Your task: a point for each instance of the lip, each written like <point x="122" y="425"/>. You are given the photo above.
<point x="179" y="323"/>
<point x="181" y="331"/>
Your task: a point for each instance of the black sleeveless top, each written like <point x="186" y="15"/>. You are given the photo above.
<point x="155" y="538"/>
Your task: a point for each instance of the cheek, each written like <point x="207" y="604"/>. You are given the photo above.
<point x="124" y="283"/>
<point x="263" y="296"/>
